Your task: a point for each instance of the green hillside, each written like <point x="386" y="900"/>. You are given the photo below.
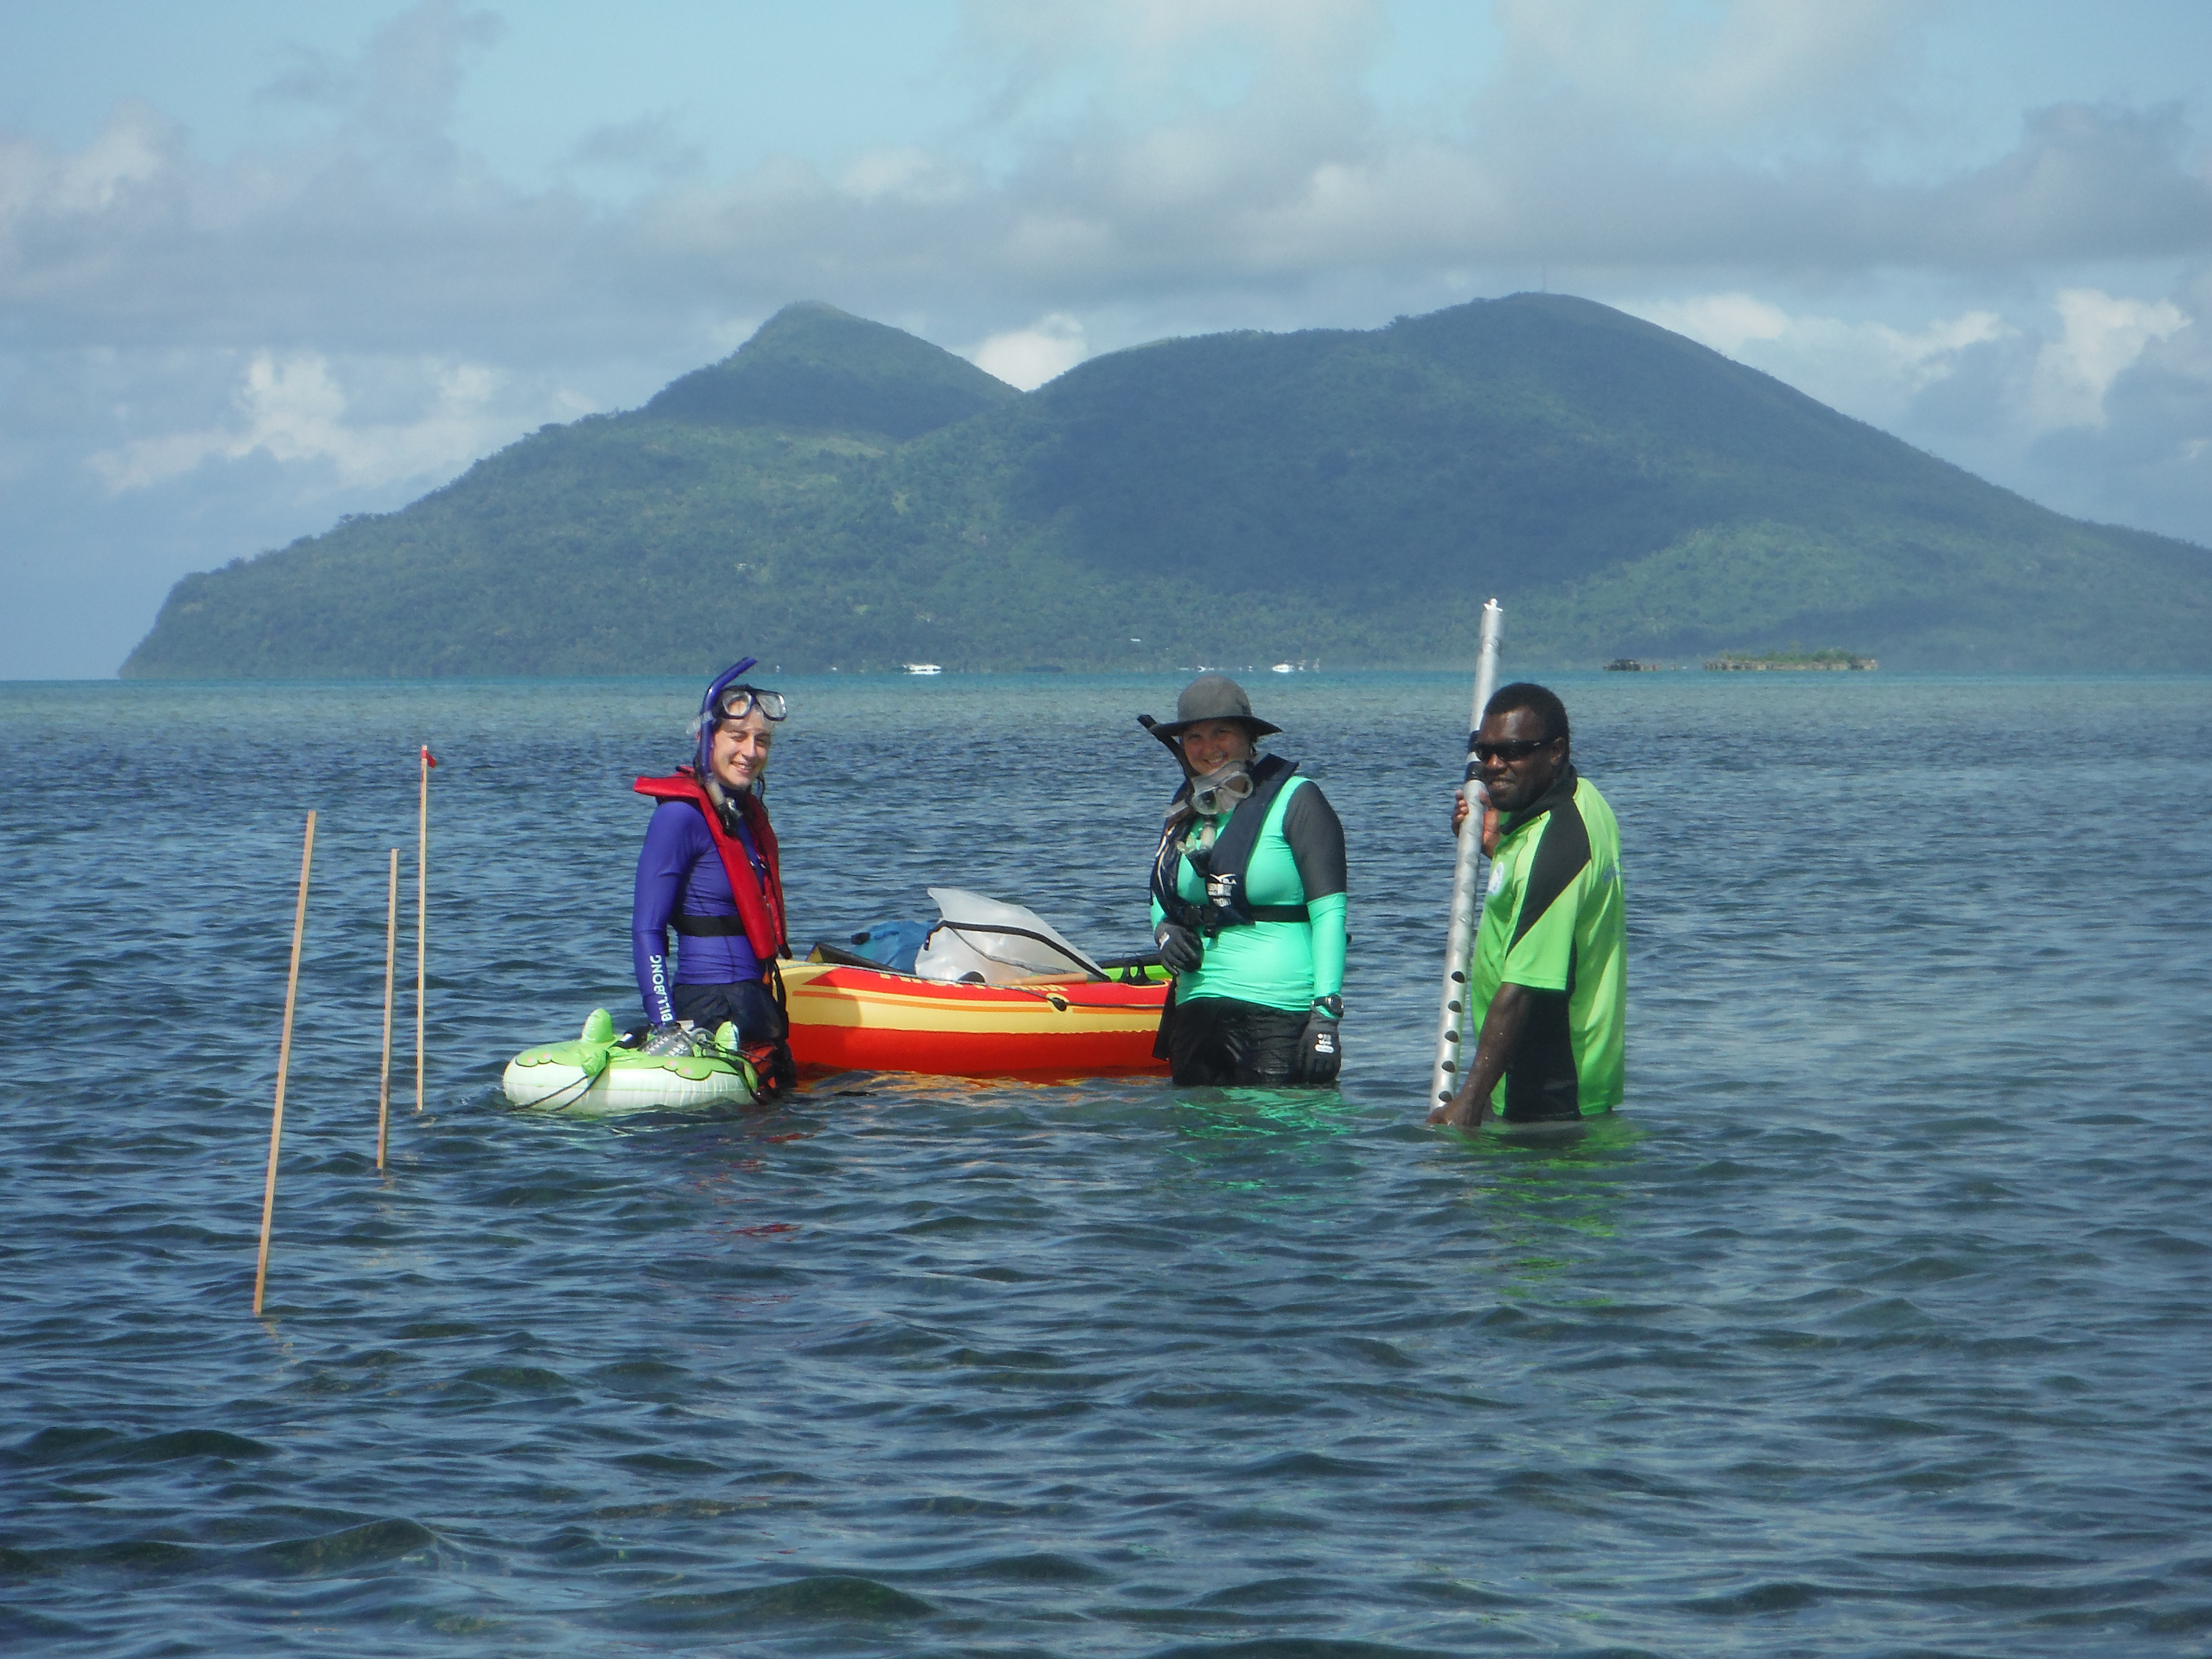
<point x="838" y="493"/>
<point x="814" y="369"/>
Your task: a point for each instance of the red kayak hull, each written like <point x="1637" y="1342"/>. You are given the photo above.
<point x="859" y="1019"/>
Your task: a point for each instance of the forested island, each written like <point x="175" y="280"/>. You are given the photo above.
<point x="841" y="494"/>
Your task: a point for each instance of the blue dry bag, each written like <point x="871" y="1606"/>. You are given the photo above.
<point x="893" y="944"/>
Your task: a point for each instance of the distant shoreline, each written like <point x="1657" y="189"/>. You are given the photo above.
<point x="1792" y="662"/>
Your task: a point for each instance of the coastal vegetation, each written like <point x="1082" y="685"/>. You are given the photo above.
<point x="840" y="493"/>
<point x="1794" y="658"/>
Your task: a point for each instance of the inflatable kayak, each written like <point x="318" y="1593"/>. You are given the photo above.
<point x="846" y="1017"/>
<point x="993" y="990"/>
<point x="595" y="1076"/>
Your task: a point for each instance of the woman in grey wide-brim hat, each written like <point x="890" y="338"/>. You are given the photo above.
<point x="1248" y="902"/>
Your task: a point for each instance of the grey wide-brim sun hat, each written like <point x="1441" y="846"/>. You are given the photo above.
<point x="1212" y="697"/>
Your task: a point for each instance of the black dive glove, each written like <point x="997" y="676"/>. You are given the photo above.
<point x="1180" y="951"/>
<point x="1320" y="1050"/>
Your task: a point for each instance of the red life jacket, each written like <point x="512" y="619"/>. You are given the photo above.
<point x="760" y="903"/>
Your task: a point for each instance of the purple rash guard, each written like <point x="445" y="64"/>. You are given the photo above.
<point x="680" y="870"/>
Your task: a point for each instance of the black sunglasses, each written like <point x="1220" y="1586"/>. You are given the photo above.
<point x="1512" y="749"/>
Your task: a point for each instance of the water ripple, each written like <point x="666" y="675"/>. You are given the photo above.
<point x="1875" y="1324"/>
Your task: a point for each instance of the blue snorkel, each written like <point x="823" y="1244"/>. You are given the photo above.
<point x="703" y="727"/>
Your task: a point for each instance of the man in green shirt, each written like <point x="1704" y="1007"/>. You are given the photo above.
<point x="1548" y="988"/>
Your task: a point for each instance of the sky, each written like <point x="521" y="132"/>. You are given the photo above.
<point x="262" y="266"/>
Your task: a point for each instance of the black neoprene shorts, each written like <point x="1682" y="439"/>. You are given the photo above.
<point x="1221" y="1041"/>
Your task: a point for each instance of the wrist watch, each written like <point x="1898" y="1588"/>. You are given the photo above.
<point x="1332" y="1006"/>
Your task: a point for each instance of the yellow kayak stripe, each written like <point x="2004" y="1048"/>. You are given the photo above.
<point x="1032" y="1014"/>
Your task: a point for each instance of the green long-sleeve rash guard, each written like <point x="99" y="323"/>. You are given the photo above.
<point x="1299" y="860"/>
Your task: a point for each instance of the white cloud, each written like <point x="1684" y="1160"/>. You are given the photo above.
<point x="1868" y="369"/>
<point x="293" y="408"/>
<point x="650" y="145"/>
<point x="1724" y="321"/>
<point x="359" y="301"/>
<point x="2100" y="338"/>
<point x="133" y="148"/>
<point x="1028" y="357"/>
<point x="909" y="173"/>
<point x="406" y="79"/>
<point x="1150" y="43"/>
<point x="1703" y="71"/>
<point x="2093" y="402"/>
<point x="1105" y="187"/>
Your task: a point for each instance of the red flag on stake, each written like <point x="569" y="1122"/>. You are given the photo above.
<point x="428" y="759"/>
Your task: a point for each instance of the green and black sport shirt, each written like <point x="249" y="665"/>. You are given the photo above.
<point x="1554" y="923"/>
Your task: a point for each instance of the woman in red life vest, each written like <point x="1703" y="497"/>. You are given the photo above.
<point x="710" y="872"/>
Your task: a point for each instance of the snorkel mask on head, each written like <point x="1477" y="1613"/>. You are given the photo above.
<point x="729" y="698"/>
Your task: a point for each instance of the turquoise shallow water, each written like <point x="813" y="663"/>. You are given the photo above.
<point x="1876" y="1324"/>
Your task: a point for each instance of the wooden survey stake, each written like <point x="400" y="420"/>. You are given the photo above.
<point x="284" y="1067"/>
<point x="391" y="961"/>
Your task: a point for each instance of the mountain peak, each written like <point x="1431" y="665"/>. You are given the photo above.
<point x="812" y="367"/>
<point x="1230" y="498"/>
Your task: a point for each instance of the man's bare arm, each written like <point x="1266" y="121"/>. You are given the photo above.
<point x="1493" y="1050"/>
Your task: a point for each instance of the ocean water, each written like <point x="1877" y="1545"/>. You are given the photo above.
<point x="1878" y="1323"/>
